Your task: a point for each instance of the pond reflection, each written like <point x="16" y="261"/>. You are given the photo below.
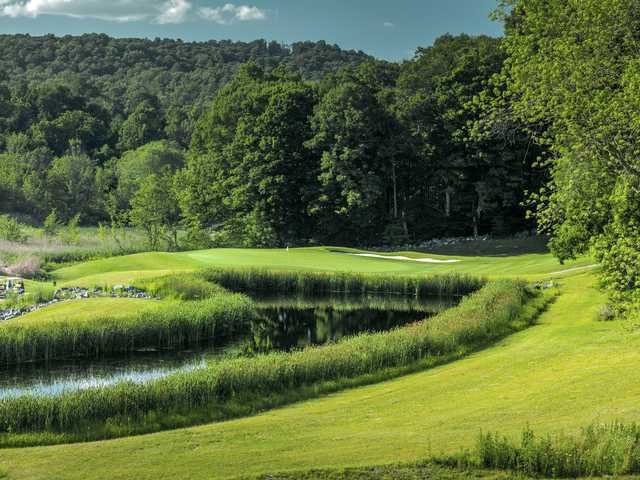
<point x="285" y="323"/>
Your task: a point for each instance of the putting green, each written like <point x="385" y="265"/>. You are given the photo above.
<point x="129" y="268"/>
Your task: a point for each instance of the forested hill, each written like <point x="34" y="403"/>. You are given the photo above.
<point x="257" y="144"/>
<point x="177" y="72"/>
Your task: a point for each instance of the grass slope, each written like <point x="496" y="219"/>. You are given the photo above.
<point x="129" y="268"/>
<point x="562" y="374"/>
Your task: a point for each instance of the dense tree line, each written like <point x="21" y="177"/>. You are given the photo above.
<point x="298" y="145"/>
<point x="573" y="78"/>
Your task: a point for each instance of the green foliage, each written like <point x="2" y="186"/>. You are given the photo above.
<point x="11" y="230"/>
<point x="136" y="165"/>
<point x="233" y="386"/>
<point x="599" y="450"/>
<point x="144" y="125"/>
<point x="70" y="234"/>
<point x="70" y="184"/>
<point x="250" y="159"/>
<point x="51" y="224"/>
<point x="573" y="76"/>
<point x="154" y="209"/>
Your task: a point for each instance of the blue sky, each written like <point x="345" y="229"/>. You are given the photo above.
<point x="386" y="29"/>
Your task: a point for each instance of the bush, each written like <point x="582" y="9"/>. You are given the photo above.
<point x="11" y="230"/>
<point x="27" y="267"/>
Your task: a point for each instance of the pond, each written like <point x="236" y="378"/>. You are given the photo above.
<point x="285" y="323"/>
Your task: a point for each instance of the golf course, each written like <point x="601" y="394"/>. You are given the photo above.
<point x="563" y="373"/>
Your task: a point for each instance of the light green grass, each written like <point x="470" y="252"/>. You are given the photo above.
<point x="130" y="268"/>
<point x="79" y="310"/>
<point x="567" y="372"/>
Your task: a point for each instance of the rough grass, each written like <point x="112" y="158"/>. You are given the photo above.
<point x="169" y="325"/>
<point x="315" y="283"/>
<point x="612" y="449"/>
<point x="269" y="379"/>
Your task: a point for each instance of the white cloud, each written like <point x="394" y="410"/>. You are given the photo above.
<point x="175" y="11"/>
<point x="388" y="24"/>
<point x="230" y="13"/>
<point x="170" y="11"/>
<point x="156" y="11"/>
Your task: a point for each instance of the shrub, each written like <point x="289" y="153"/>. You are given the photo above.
<point x="11" y="230"/>
<point x="51" y="224"/>
<point x="27" y="267"/>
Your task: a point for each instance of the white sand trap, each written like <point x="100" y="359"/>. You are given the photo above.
<point x="575" y="269"/>
<point x="400" y="257"/>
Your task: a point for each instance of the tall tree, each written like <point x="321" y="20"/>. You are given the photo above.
<point x="258" y="175"/>
<point x="573" y="67"/>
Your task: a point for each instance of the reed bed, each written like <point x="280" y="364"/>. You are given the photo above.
<point x="244" y="385"/>
<point x="315" y="283"/>
<point x="598" y="450"/>
<point x="170" y="325"/>
<point x="180" y="286"/>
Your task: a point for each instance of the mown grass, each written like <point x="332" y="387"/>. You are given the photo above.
<point x="317" y="283"/>
<point x="169" y="325"/>
<point x="239" y="386"/>
<point x="130" y="268"/>
<point x="425" y="470"/>
<point x="80" y="310"/>
<point x="600" y="450"/>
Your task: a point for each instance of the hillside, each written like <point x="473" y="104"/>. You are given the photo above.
<point x="173" y="70"/>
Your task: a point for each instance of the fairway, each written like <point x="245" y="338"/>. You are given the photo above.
<point x="129" y="268"/>
<point x="562" y="374"/>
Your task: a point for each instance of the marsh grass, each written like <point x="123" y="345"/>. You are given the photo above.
<point x="612" y="449"/>
<point x="170" y="325"/>
<point x="180" y="287"/>
<point x="234" y="387"/>
<point x="315" y="283"/>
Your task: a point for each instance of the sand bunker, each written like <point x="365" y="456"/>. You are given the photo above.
<point x="400" y="257"/>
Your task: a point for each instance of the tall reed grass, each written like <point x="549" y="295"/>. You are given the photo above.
<point x="240" y="386"/>
<point x="598" y="450"/>
<point x="180" y="286"/>
<point x="170" y="325"/>
<point x="262" y="280"/>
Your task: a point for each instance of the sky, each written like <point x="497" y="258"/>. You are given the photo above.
<point x="386" y="29"/>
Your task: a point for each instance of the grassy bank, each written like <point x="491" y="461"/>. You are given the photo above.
<point x="240" y="386"/>
<point x="167" y="325"/>
<point x="318" y="283"/>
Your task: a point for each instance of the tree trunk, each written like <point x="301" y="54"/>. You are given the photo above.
<point x="395" y="191"/>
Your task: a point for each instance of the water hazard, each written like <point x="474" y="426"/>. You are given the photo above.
<point x="285" y="323"/>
